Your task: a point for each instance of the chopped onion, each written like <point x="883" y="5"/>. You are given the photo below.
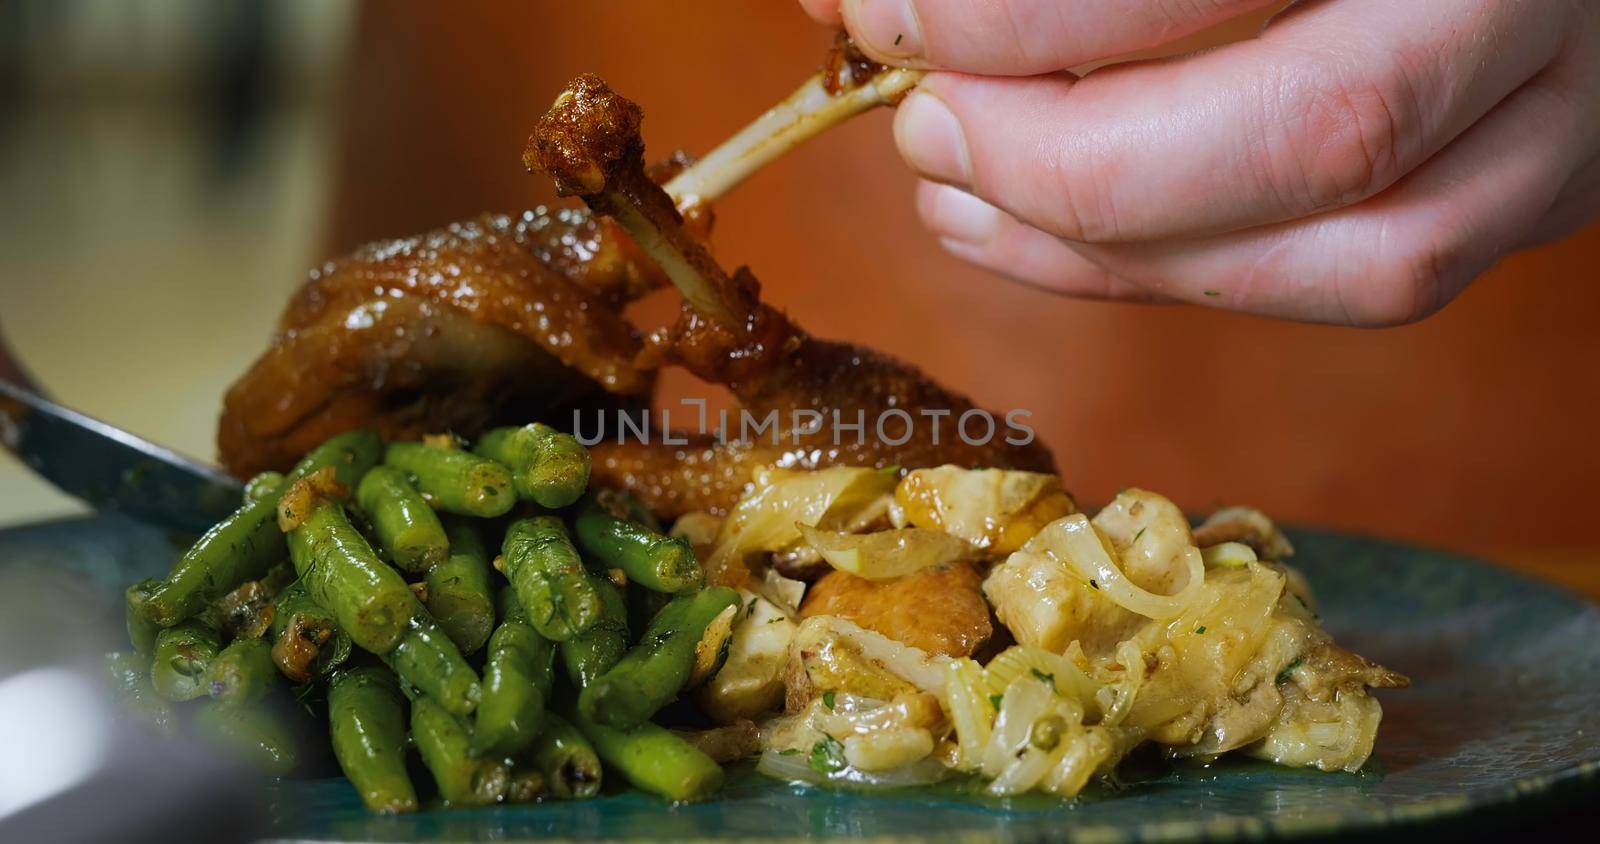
<point x="971" y="712"/>
<point x="915" y="666"/>
<point x="1024" y="702"/>
<point x="1063" y="677"/>
<point x="1023" y="773"/>
<point x="994" y="509"/>
<point x="765" y="519"/>
<point x="1227" y="555"/>
<point x="1077" y="760"/>
<point x="887" y="554"/>
<point x="887" y="750"/>
<point x="1116" y="699"/>
<point x="1073" y="540"/>
<point x="785" y="593"/>
<point x="712" y="650"/>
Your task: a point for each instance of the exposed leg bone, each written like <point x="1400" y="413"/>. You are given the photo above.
<point x="814" y="107"/>
<point x="825" y="100"/>
<point x="589" y="144"/>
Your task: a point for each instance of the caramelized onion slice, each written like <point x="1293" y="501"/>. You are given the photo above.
<point x="1073" y="541"/>
<point x="887" y="554"/>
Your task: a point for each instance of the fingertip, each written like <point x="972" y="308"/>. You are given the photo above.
<point x="825" y="12"/>
<point x="957" y="215"/>
<point x="983" y="235"/>
<point x="886" y="30"/>
<point x="931" y="140"/>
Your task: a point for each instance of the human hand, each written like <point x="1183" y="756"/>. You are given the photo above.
<point x="1360" y="162"/>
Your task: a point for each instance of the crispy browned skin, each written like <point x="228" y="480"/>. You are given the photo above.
<point x="506" y="319"/>
<point x="498" y="317"/>
<point x="940" y="609"/>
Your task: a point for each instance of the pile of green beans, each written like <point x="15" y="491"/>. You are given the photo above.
<point x="460" y="602"/>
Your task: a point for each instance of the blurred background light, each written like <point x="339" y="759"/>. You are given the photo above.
<point x="164" y="171"/>
<point x="54" y="726"/>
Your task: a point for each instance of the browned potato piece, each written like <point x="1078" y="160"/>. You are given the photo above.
<point x="939" y="610"/>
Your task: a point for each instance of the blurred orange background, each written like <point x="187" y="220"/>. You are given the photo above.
<point x="1471" y="430"/>
<point x="173" y="167"/>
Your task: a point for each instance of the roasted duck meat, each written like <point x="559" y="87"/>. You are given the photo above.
<point x="501" y="317"/>
<point x="589" y="144"/>
<point x="488" y="319"/>
<point x="513" y="318"/>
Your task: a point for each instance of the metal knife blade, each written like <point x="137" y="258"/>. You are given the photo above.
<point x="112" y="469"/>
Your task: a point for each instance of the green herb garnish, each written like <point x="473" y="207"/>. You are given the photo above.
<point x="827" y="756"/>
<point x="1200" y="629"/>
<point x="994" y="701"/>
<point x="1213" y="293"/>
<point x="1283" y="676"/>
<point x="897" y="39"/>
<point x="827" y="699"/>
<point x="1047" y="679"/>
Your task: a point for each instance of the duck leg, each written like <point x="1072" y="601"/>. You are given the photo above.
<point x="589" y="144"/>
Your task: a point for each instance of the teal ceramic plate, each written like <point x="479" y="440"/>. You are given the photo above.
<point x="1506" y="675"/>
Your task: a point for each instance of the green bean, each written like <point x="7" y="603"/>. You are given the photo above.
<point x="443" y="743"/>
<point x="592" y="652"/>
<point x="551" y="583"/>
<point x="652" y="758"/>
<point x="367" y="725"/>
<point x="242" y="546"/>
<point x="130" y="683"/>
<point x="405" y="525"/>
<point x="427" y="660"/>
<point x="458" y="592"/>
<point x="242" y="672"/>
<point x="350" y="454"/>
<point x="455" y="481"/>
<point x="141" y="630"/>
<point x="526" y="784"/>
<point x="517" y="678"/>
<point x="239" y="548"/>
<point x="306" y="639"/>
<point x="259" y="736"/>
<point x="262" y="485"/>
<point x="650" y="675"/>
<point x="547" y="466"/>
<point x="566" y="759"/>
<point x="368" y="597"/>
<point x="181" y="654"/>
<point x="645" y="556"/>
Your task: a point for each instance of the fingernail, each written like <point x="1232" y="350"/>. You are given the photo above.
<point x="970" y="252"/>
<point x="960" y="217"/>
<point x="888" y="27"/>
<point x="930" y="138"/>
